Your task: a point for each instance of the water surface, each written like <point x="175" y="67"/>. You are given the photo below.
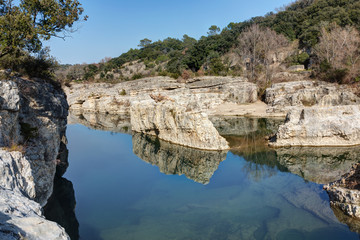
<point x="137" y="187"/>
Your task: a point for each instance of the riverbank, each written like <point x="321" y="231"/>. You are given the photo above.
<point x="33" y="118"/>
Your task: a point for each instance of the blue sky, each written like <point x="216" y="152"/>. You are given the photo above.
<point x="115" y="26"/>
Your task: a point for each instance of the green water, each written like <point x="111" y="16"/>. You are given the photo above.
<point x="136" y="187"/>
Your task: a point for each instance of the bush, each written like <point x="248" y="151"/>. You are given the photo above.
<point x="41" y="65"/>
<point x="186" y="74"/>
<point x="137" y="76"/>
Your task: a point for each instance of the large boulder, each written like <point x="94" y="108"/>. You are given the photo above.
<point x="284" y="96"/>
<point x="176" y="123"/>
<point x="320" y="126"/>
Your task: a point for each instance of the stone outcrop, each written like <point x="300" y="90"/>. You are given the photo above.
<point x="320" y="165"/>
<point x="320" y="126"/>
<point x="204" y="92"/>
<point x="345" y="192"/>
<point x="32" y="129"/>
<point x="195" y="164"/>
<point x="177" y="124"/>
<point x="284" y="96"/>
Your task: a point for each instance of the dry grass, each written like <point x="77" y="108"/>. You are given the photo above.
<point x="15" y="148"/>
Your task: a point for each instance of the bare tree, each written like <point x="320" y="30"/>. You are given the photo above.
<point x="340" y="49"/>
<point x="258" y="46"/>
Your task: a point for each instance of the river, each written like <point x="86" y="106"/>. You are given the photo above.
<point x="132" y="187"/>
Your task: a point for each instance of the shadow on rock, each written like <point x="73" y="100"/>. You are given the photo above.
<point x="195" y="164"/>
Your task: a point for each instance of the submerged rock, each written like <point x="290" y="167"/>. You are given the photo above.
<point x="177" y="124"/>
<point x="195" y="164"/>
<point x="345" y="192"/>
<point x="320" y="126"/>
<point x="282" y="97"/>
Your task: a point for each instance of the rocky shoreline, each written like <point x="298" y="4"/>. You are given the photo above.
<point x="317" y="113"/>
<point x="33" y="122"/>
<point x="33" y="118"/>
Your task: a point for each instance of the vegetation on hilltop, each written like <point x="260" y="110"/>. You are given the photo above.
<point x="304" y="22"/>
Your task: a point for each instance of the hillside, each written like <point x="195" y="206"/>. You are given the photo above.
<point x="222" y="52"/>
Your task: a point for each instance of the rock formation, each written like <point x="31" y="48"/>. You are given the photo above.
<point x="195" y="164"/>
<point x="177" y="124"/>
<point x="320" y="126"/>
<point x="204" y="92"/>
<point x="284" y="96"/>
<point x="32" y="126"/>
<point x="345" y="192"/>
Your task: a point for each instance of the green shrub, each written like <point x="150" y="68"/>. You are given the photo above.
<point x="137" y="76"/>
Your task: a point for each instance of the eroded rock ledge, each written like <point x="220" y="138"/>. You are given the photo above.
<point x="205" y="92"/>
<point x="32" y="127"/>
<point x="282" y="97"/>
<point x="320" y="126"/>
<point x="177" y="124"/>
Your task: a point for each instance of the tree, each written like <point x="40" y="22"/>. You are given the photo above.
<point x="257" y="46"/>
<point x="338" y="53"/>
<point x="25" y="23"/>
<point x="144" y="42"/>
<point x="213" y="30"/>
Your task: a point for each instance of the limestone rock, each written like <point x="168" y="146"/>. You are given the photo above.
<point x="195" y="164"/>
<point x="32" y="125"/>
<point x="284" y="96"/>
<point x="320" y="126"/>
<point x="204" y="92"/>
<point x="177" y="124"/>
<point x="345" y="192"/>
<point x="21" y="218"/>
<point x="9" y="96"/>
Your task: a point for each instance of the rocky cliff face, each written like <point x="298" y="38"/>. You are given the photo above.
<point x="195" y="164"/>
<point x="32" y="126"/>
<point x="177" y="124"/>
<point x="282" y="97"/>
<point x="205" y="92"/>
<point x="320" y="126"/>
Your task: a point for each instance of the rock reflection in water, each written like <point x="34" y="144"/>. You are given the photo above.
<point x="318" y="164"/>
<point x="61" y="207"/>
<point x="353" y="223"/>
<point x="195" y="164"/>
<point x="242" y="126"/>
<point x="247" y="138"/>
<point x="100" y="121"/>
